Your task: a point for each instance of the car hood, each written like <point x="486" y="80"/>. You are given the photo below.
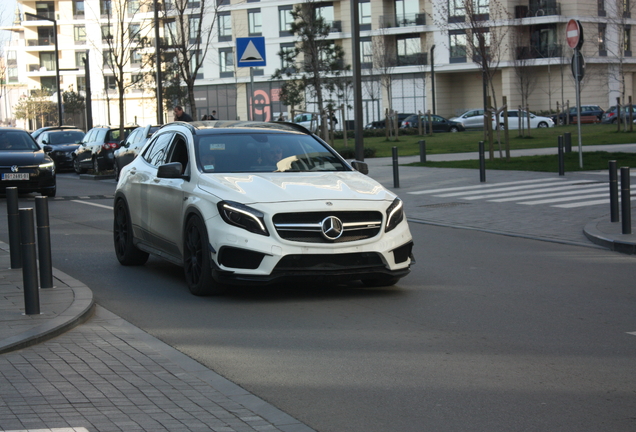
<point x="250" y="188"/>
<point x="23" y="158"/>
<point x="64" y="147"/>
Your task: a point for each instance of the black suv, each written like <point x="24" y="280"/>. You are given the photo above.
<point x="97" y="147"/>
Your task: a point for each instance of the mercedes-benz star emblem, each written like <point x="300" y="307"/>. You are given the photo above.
<point x="14" y="168"/>
<point x="331" y="227"/>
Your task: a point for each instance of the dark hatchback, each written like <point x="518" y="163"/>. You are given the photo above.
<point x="63" y="143"/>
<point x="23" y="164"/>
<point x="439" y="123"/>
<point x="96" y="151"/>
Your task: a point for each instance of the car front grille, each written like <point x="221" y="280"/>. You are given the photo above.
<point x="309" y="227"/>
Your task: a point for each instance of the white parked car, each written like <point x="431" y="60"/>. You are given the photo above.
<point x="513" y="120"/>
<point x="257" y="203"/>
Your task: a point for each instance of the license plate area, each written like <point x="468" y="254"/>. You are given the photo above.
<point x="15" y="176"/>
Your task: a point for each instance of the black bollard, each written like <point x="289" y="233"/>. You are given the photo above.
<point x="396" y="174"/>
<point x="44" y="241"/>
<point x="29" y="263"/>
<point x="482" y="163"/>
<point x="567" y="142"/>
<point x="626" y="207"/>
<point x="561" y="157"/>
<point x="613" y="185"/>
<point x="422" y="151"/>
<point x="13" y="219"/>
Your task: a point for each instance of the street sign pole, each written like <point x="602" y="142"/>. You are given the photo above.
<point x="574" y="37"/>
<point x="578" y="104"/>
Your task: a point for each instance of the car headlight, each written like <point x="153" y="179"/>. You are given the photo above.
<point x="48" y="166"/>
<point x="243" y="216"/>
<point x="394" y="214"/>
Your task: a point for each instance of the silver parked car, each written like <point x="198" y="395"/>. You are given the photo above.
<point x="471" y="119"/>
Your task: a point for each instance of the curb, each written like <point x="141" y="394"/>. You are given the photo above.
<point x="608" y="241"/>
<point x="78" y="312"/>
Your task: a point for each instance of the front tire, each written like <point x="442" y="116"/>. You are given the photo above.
<point x="95" y="165"/>
<point x="454" y="129"/>
<point x="196" y="254"/>
<point x="77" y="167"/>
<point x="127" y="253"/>
<point x="543" y="125"/>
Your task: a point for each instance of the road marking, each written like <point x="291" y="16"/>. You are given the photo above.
<point x="93" y="204"/>
<point x="516" y="193"/>
<point x="506" y="189"/>
<point x="580" y="197"/>
<point x="481" y="186"/>
<point x="632" y="333"/>
<point x="546" y="195"/>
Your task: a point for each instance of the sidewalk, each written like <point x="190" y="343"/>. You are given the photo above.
<point x="106" y="374"/>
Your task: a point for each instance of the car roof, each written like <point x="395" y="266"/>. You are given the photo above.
<point x="239" y="126"/>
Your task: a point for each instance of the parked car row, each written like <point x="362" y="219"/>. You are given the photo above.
<point x="474" y="119"/>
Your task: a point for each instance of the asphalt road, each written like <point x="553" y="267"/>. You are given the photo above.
<point x="487" y="333"/>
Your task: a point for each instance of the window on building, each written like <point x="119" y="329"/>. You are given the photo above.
<point x="364" y="12"/>
<point x="602" y="48"/>
<point x="225" y="26"/>
<point x="456" y="11"/>
<point x="46" y="36"/>
<point x="366" y="51"/>
<point x="255" y="25"/>
<point x="48" y="83"/>
<point x="406" y="10"/>
<point x="107" y="33"/>
<point x="457" y="43"/>
<point x="627" y="40"/>
<point x="169" y="32"/>
<point x="12" y="75"/>
<point x="601" y="7"/>
<point x="133" y="6"/>
<point x="79" y="59"/>
<point x="109" y="82"/>
<point x="325" y="11"/>
<point x="105" y="7"/>
<point x="481" y="7"/>
<point x="194" y="27"/>
<point x="81" y="84"/>
<point x="133" y="32"/>
<point x="286" y="60"/>
<point x="47" y="60"/>
<point x="226" y="62"/>
<point x="285" y="20"/>
<point x="79" y="32"/>
<point x="626" y="9"/>
<point x="107" y="58"/>
<point x="46" y="8"/>
<point x="483" y="37"/>
<point x="135" y="57"/>
<point x="78" y="8"/>
<point x="409" y="50"/>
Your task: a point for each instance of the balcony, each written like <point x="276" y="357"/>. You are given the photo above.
<point x="537" y="52"/>
<point x="49" y="15"/>
<point x="40" y="42"/>
<point x="402" y="20"/>
<point x="417" y="59"/>
<point x="538" y="8"/>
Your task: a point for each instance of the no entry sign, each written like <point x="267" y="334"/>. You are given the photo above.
<point x="574" y="34"/>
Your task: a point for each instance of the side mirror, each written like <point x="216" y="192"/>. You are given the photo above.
<point x="170" y="170"/>
<point x="44" y="141"/>
<point x="361" y="167"/>
<point x="47" y="149"/>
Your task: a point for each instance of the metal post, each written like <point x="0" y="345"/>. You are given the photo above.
<point x="567" y="142"/>
<point x="433" y="76"/>
<point x="29" y="268"/>
<point x="577" y="81"/>
<point x="561" y="158"/>
<point x="158" y="79"/>
<point x="44" y="241"/>
<point x="613" y="185"/>
<point x="89" y="100"/>
<point x="422" y="151"/>
<point x="396" y="174"/>
<point x="482" y="163"/>
<point x="13" y="218"/>
<point x="356" y="75"/>
<point x="626" y="210"/>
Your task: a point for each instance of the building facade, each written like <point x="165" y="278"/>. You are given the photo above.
<point x="404" y="40"/>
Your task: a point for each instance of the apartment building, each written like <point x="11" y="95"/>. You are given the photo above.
<point x="416" y="36"/>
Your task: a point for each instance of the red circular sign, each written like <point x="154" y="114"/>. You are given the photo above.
<point x="573" y="33"/>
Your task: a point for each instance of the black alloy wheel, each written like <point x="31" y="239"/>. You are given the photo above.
<point x="196" y="257"/>
<point x="127" y="253"/>
<point x="77" y="167"/>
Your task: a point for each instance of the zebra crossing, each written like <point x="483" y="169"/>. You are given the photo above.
<point x="553" y="192"/>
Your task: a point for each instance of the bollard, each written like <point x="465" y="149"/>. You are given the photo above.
<point x="29" y="263"/>
<point x="44" y="241"/>
<point x="567" y="142"/>
<point x="422" y="151"/>
<point x="13" y="219"/>
<point x="613" y="185"/>
<point x="626" y="210"/>
<point x="482" y="162"/>
<point x="561" y="158"/>
<point x="396" y="176"/>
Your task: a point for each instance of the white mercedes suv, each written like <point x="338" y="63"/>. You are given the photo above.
<point x="257" y="203"/>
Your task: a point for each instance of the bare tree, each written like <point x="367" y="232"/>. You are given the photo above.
<point x="526" y="76"/>
<point x="616" y="39"/>
<point x="384" y="62"/>
<point x="190" y="37"/>
<point x="125" y="40"/>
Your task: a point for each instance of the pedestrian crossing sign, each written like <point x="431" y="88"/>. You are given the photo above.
<point x="250" y="51"/>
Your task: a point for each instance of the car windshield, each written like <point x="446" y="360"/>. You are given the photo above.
<point x="66" y="137"/>
<point x="264" y="152"/>
<point x="17" y="140"/>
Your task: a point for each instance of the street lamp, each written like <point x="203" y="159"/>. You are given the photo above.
<point x="57" y="65"/>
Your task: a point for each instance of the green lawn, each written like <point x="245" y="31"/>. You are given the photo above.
<point x="591" y="161"/>
<point x="592" y="134"/>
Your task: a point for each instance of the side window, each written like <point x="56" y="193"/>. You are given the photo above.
<point x="88" y="136"/>
<point x="45" y="138"/>
<point x="157" y="151"/>
<point x="100" y="135"/>
<point x="179" y="152"/>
